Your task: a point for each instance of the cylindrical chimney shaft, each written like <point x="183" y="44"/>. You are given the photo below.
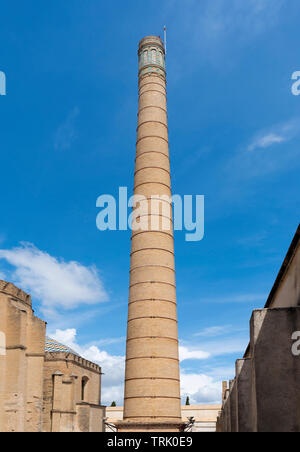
<point x="152" y="382"/>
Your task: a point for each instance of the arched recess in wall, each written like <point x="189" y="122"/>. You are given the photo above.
<point x="145" y="57"/>
<point x="84" y="388"/>
<point x="153" y="56"/>
<point x="160" y="58"/>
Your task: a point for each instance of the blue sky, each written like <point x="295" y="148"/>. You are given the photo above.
<point x="67" y="135"/>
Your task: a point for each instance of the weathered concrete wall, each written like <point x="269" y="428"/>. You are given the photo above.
<point x="233" y="407"/>
<point x="244" y="395"/>
<point x="266" y="394"/>
<point x="227" y="413"/>
<point x="90" y="418"/>
<point x="275" y="370"/>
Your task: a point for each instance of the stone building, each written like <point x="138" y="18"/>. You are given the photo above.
<point x="265" y="394"/>
<point x="21" y="362"/>
<point x="71" y="392"/>
<point x="44" y="386"/>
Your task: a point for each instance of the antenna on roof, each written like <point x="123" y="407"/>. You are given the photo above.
<point x="165" y="39"/>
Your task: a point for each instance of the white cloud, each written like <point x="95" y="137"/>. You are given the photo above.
<point x="267" y="141"/>
<point x="277" y="134"/>
<point x="67" y="337"/>
<point x="214" y="331"/>
<point x="266" y="153"/>
<point x="187" y="353"/>
<point x="54" y="282"/>
<point x="200" y="388"/>
<point x="223" y="373"/>
<point x="226" y="346"/>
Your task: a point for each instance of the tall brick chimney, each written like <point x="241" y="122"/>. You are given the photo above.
<point x="152" y="383"/>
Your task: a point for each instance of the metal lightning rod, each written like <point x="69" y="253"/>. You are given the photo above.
<point x="165" y="39"/>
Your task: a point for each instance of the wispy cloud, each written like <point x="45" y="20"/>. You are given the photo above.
<point x="214" y="331"/>
<point x="54" y="282"/>
<point x="208" y="348"/>
<point x="280" y="133"/>
<point x="266" y="141"/>
<point x="66" y="132"/>
<point x="185" y="353"/>
<point x="265" y="153"/>
<point x="222" y="372"/>
<point x="225" y="346"/>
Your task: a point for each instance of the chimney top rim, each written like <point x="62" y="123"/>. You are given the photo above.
<point x="151" y="38"/>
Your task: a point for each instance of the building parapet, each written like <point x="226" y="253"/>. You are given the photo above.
<point x="10" y="289"/>
<point x="75" y="359"/>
